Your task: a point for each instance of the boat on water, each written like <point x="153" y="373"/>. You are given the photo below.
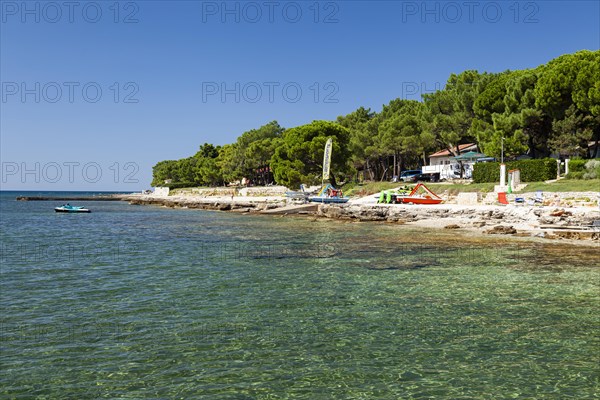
<point x="328" y="194"/>
<point x="426" y="196"/>
<point x="67" y="208"/>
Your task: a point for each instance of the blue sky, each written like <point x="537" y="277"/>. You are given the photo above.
<point x="94" y="94"/>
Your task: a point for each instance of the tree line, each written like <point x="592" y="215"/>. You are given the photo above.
<point x="551" y="109"/>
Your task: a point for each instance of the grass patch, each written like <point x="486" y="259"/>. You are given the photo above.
<point x="365" y="189"/>
<point x="565" y="185"/>
<point x="454" y="188"/>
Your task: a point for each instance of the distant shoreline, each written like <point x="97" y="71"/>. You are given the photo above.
<point x="69" y="191"/>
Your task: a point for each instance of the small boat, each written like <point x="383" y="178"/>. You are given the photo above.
<point x="424" y="198"/>
<point x="298" y="195"/>
<point x="328" y="200"/>
<point x="391" y="196"/>
<point x="67" y="208"/>
<point x="329" y="194"/>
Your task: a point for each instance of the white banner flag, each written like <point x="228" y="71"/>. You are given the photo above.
<point x="327" y="158"/>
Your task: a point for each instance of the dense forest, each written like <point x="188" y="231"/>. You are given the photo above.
<point x="552" y="109"/>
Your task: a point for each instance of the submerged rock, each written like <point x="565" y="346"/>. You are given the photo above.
<point x="399" y="266"/>
<point x="501" y="230"/>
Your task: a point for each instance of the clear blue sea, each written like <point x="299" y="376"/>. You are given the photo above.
<point x="143" y="302"/>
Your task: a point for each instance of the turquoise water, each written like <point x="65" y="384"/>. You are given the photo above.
<point x="145" y="302"/>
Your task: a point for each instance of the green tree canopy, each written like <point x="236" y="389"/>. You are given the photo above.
<point x="451" y="111"/>
<point x="298" y="157"/>
<point x="568" y="90"/>
<point x="243" y="161"/>
<point x="164" y="171"/>
<point x="554" y="108"/>
<point x="359" y="124"/>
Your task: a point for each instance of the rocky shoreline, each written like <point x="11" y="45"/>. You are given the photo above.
<point x="249" y="204"/>
<point x="539" y="221"/>
<point x="547" y="222"/>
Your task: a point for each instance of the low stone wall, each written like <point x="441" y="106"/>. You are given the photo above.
<point x="205" y="192"/>
<point x="254" y="191"/>
<point x="161" y="191"/>
<point x="265" y="191"/>
<point x="245" y="205"/>
<point x="468" y="198"/>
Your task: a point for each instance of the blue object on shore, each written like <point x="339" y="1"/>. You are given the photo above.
<point x="329" y="194"/>
<point x="326" y="200"/>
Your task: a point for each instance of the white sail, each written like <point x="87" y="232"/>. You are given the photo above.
<point x="327" y="158"/>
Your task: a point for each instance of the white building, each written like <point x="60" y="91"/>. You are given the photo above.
<point x="443" y="163"/>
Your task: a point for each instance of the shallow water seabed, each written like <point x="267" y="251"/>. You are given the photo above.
<point x="151" y="302"/>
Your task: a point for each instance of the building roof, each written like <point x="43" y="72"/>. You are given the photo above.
<point x="461" y="148"/>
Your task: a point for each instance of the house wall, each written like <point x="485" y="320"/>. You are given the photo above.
<point x="442" y="160"/>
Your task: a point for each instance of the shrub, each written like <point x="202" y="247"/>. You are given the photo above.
<point x="179" y="185"/>
<point x="531" y="170"/>
<point x="592" y="169"/>
<point x="574" y="174"/>
<point x="577" y="165"/>
<point x="486" y="172"/>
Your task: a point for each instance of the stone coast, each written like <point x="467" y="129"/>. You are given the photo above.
<point x="550" y="222"/>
